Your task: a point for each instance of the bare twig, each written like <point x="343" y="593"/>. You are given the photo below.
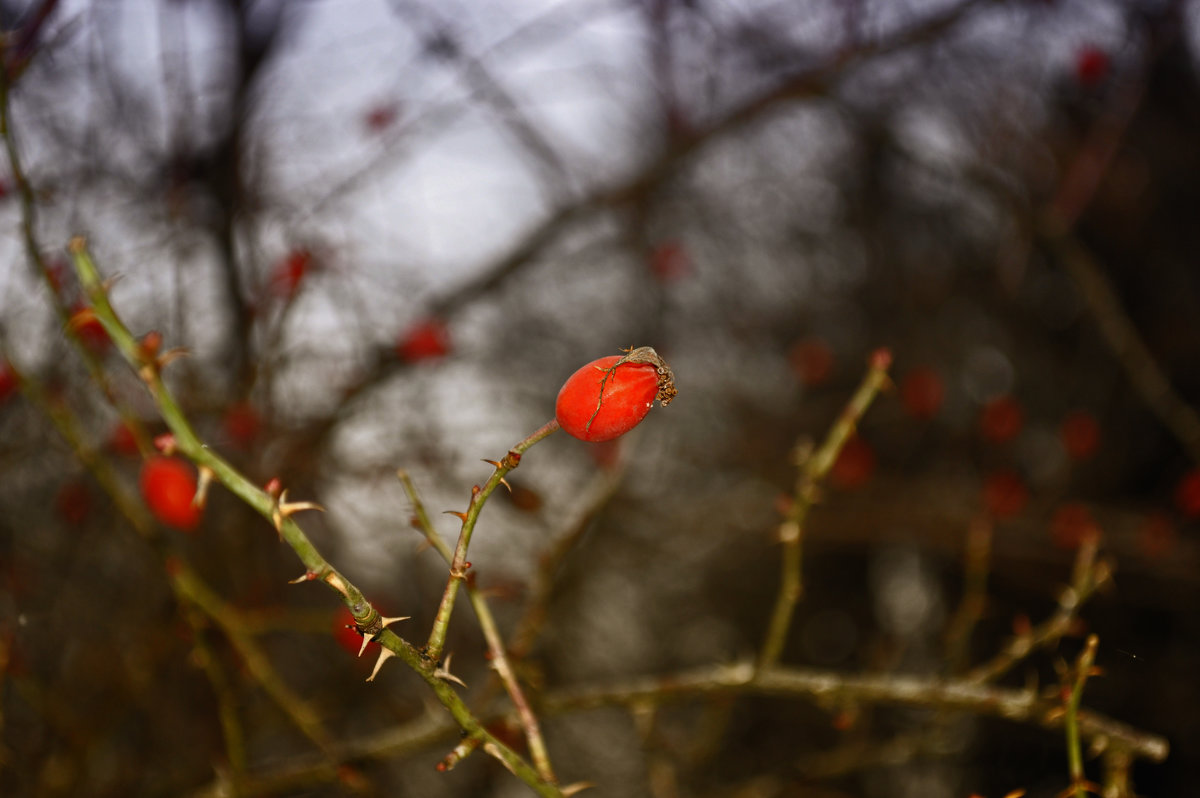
<point x="813" y="470"/>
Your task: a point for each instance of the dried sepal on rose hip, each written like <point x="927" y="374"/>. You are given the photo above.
<point x="610" y="396"/>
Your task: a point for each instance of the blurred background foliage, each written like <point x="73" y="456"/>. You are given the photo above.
<point x="387" y="231"/>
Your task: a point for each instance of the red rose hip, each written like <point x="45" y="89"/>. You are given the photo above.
<point x="610" y="396"/>
<point x="168" y="487"/>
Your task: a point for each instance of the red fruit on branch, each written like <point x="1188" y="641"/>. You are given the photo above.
<point x="89" y="329"/>
<point x="425" y="340"/>
<point x="168" y="487"/>
<point x="610" y="396"/>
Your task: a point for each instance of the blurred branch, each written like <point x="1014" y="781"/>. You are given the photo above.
<point x="977" y="558"/>
<point x="1023" y="706"/>
<point x="1074" y="694"/>
<point x="813" y="469"/>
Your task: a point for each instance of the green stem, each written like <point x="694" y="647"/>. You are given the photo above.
<point x="459" y="564"/>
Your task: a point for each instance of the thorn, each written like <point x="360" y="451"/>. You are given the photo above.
<point x="504" y="482"/>
<point x="384" y="655"/>
<point x="307" y="576"/>
<point x="456" y="514"/>
<point x="576" y="788"/>
<point x="386" y="622"/>
<point x="107" y="285"/>
<point x="492" y="463"/>
<point x="443" y="673"/>
<point x="206" y="478"/>
<point x="365" y="642"/>
<point x="171" y="355"/>
<point x="286" y="508"/>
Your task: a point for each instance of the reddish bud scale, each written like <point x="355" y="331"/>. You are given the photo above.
<point x="628" y="392"/>
<point x="168" y="486"/>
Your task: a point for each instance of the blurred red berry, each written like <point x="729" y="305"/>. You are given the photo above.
<point x="8" y="382"/>
<point x="345" y="632"/>
<point x="1091" y="66"/>
<point x="290" y="272"/>
<point x="1071" y="525"/>
<point x="381" y="117"/>
<point x="922" y="392"/>
<point x="1187" y="494"/>
<point x="812" y="361"/>
<point x="1004" y="494"/>
<point x="425" y="340"/>
<point x="854" y="466"/>
<point x="1001" y="419"/>
<point x="1156" y="535"/>
<point x="168" y="487"/>
<point x="89" y="329"/>
<point x="669" y="261"/>
<point x="73" y="502"/>
<point x="1080" y="434"/>
<point x="628" y="392"/>
<point x="242" y="424"/>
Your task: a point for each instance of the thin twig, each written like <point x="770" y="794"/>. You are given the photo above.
<point x="491" y="633"/>
<point x="1083" y="669"/>
<point x="458" y="563"/>
<point x="1089" y="575"/>
<point x="813" y="470"/>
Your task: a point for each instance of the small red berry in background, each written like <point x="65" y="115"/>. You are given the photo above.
<point x="1156" y="535"/>
<point x="1091" y="66"/>
<point x="812" y="361"/>
<point x="922" y="391"/>
<point x="8" y="382"/>
<point x="89" y="329"/>
<point x="381" y="117"/>
<point x="854" y="465"/>
<point x="1071" y="525"/>
<point x="425" y="340"/>
<point x="290" y="272"/>
<point x="168" y="486"/>
<point x="1004" y="494"/>
<point x="669" y="261"/>
<point x="73" y="502"/>
<point x="628" y="391"/>
<point x="242" y="424"/>
<point x="1080" y="434"/>
<point x="1187" y="494"/>
<point x="346" y="632"/>
<point x="1001" y="419"/>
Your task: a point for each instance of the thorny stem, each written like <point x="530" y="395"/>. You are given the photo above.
<point x="812" y="471"/>
<point x="491" y="633"/>
<point x="318" y="568"/>
<point x="458" y="564"/>
<point x="975" y="567"/>
<point x="1083" y="669"/>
